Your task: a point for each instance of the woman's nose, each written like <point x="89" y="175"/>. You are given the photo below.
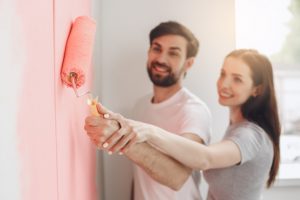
<point x="224" y="83"/>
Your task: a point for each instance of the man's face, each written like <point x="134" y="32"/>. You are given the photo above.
<point x="167" y="60"/>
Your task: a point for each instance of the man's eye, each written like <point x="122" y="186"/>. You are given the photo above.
<point x="174" y="54"/>
<point x="156" y="49"/>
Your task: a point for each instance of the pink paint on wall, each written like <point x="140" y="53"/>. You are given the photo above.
<point x="57" y="159"/>
<point x="36" y="128"/>
<point x="76" y="162"/>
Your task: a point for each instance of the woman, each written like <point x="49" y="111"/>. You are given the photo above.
<point x="248" y="156"/>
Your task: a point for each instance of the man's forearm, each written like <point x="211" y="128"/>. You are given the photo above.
<point x="159" y="166"/>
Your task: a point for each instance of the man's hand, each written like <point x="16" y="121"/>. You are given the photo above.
<point x="100" y="129"/>
<point x="109" y="131"/>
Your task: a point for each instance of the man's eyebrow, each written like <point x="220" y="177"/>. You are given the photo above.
<point x="176" y="48"/>
<point x="156" y="44"/>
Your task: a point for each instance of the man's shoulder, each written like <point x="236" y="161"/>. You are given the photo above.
<point x="140" y="105"/>
<point x="143" y="99"/>
<point x="191" y="99"/>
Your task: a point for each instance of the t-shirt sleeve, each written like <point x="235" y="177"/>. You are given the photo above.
<point x="248" y="140"/>
<point x="197" y="119"/>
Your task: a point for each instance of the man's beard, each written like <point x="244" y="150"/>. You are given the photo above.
<point x="163" y="81"/>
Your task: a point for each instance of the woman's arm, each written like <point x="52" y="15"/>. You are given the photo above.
<point x="192" y="154"/>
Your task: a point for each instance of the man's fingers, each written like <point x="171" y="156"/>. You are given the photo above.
<point x="98" y="141"/>
<point x="93" y="121"/>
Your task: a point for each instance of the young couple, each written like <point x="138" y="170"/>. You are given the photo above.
<point x="169" y="139"/>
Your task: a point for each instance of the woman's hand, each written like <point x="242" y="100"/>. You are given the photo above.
<point x="130" y="132"/>
<point x="122" y="139"/>
<point x="100" y="129"/>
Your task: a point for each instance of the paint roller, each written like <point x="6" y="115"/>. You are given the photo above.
<point x="78" y="52"/>
<point x="78" y="55"/>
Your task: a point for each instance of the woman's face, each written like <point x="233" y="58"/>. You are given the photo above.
<point x="235" y="84"/>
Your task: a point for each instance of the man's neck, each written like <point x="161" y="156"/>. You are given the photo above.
<point x="163" y="93"/>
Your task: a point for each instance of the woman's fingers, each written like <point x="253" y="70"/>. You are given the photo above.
<point x="123" y="142"/>
<point x="129" y="144"/>
<point x="108" y="144"/>
<point x="115" y="138"/>
<point x="120" y="140"/>
<point x="116" y="116"/>
<point x="122" y="137"/>
<point x="102" y="110"/>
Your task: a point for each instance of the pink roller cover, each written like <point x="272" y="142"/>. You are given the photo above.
<point x="78" y="51"/>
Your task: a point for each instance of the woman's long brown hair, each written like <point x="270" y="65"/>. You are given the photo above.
<point x="262" y="109"/>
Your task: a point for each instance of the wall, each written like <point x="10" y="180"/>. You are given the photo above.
<point x="121" y="62"/>
<point x="287" y="185"/>
<point x="11" y="69"/>
<point x="279" y="193"/>
<point x="46" y="153"/>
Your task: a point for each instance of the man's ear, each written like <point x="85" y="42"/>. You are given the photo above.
<point x="257" y="91"/>
<point x="189" y="63"/>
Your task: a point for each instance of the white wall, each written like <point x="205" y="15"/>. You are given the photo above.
<point x="11" y="57"/>
<point x="280" y="193"/>
<point x="121" y="77"/>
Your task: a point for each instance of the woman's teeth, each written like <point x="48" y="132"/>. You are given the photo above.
<point x="226" y="95"/>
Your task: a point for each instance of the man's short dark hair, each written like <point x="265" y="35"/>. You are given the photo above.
<point x="175" y="28"/>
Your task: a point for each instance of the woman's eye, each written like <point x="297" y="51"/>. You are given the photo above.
<point x="222" y="74"/>
<point x="238" y="80"/>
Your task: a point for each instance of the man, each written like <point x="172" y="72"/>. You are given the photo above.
<point x="172" y="107"/>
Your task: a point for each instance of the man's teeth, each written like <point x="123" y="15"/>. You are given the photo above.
<point x="161" y="69"/>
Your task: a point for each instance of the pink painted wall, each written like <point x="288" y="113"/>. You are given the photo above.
<point x="57" y="159"/>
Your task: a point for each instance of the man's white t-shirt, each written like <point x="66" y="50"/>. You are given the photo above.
<point x="181" y="113"/>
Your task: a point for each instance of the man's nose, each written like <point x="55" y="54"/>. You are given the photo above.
<point x="162" y="58"/>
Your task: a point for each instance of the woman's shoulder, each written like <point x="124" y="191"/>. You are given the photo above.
<point x="251" y="139"/>
<point x="246" y="125"/>
<point x="248" y="130"/>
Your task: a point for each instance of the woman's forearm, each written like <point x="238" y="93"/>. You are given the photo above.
<point x="188" y="152"/>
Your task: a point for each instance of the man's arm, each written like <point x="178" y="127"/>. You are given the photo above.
<point x="161" y="167"/>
